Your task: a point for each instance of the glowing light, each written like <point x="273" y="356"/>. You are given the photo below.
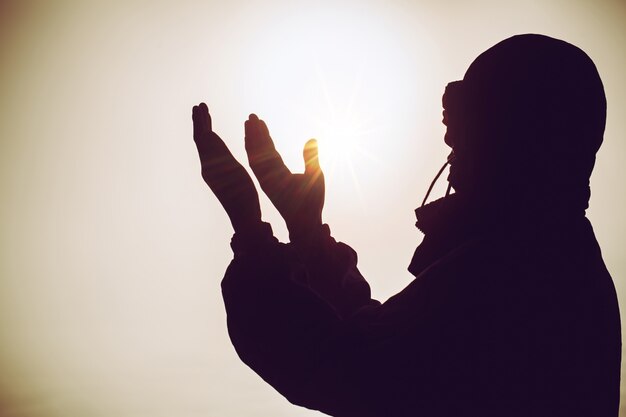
<point x="351" y="86"/>
<point x="339" y="139"/>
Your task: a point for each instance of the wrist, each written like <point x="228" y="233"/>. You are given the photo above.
<point x="310" y="241"/>
<point x="252" y="238"/>
<point x="304" y="225"/>
<point x="246" y="225"/>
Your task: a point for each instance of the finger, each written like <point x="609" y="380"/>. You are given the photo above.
<point x="209" y="144"/>
<point x="207" y="117"/>
<point x="265" y="161"/>
<point x="201" y="120"/>
<point x="314" y="183"/>
<point x="258" y="139"/>
<point x="311" y="157"/>
<point x="195" y="117"/>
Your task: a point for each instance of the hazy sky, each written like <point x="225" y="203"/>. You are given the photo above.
<point x="113" y="248"/>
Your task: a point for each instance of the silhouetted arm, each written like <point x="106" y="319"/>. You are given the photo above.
<point x="305" y="342"/>
<point x="299" y="313"/>
<point x="331" y="347"/>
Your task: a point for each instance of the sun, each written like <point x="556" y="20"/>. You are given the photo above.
<point x="342" y="148"/>
<point x="339" y="140"/>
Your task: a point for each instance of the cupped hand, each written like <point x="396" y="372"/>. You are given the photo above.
<point x="228" y="180"/>
<point x="299" y="198"/>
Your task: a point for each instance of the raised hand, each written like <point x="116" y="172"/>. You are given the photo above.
<point x="228" y="180"/>
<point x="299" y="198"/>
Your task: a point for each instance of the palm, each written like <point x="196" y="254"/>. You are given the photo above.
<point x="228" y="180"/>
<point x="299" y="198"/>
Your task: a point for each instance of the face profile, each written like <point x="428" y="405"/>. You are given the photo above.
<point x="529" y="113"/>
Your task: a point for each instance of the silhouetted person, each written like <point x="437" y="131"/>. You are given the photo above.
<point x="512" y="312"/>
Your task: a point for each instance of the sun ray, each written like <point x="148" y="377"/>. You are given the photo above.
<point x="355" y="181"/>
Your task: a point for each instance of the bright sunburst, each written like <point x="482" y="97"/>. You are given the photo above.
<point x="341" y="145"/>
<point x="342" y="133"/>
<point x="339" y="139"/>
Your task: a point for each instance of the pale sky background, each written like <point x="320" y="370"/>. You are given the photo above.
<point x="113" y="248"/>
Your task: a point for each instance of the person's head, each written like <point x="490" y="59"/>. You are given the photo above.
<point x="526" y="122"/>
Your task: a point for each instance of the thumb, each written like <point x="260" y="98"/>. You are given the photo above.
<point x="311" y="158"/>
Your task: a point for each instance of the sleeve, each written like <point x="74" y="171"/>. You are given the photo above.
<point x="331" y="271"/>
<point x="299" y="319"/>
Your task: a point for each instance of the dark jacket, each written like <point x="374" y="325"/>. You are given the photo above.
<point x="515" y="320"/>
